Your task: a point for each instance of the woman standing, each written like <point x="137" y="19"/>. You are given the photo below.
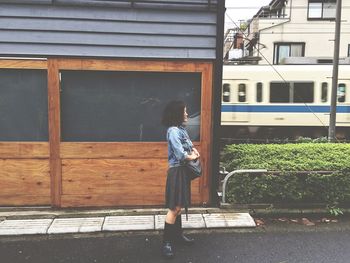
<point x="178" y="184"/>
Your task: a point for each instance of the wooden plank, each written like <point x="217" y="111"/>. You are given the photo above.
<point x="95" y="182"/>
<point x="21" y="178"/>
<point x="206" y="131"/>
<point x="23" y="63"/>
<point x="24" y="150"/>
<point x="119" y="150"/>
<point x="131" y="65"/>
<point x="25" y="200"/>
<point x="127" y="200"/>
<point x="54" y="131"/>
<point x="122" y="201"/>
<point x="96" y="176"/>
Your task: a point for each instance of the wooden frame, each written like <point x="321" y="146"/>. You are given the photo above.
<point x="25" y="171"/>
<point x="101" y="160"/>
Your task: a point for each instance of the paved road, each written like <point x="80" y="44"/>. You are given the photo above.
<point x="280" y="243"/>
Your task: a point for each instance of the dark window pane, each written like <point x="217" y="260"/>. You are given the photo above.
<point x="124" y="106"/>
<point x="242" y="92"/>
<point x="259" y="92"/>
<point x="226" y="92"/>
<point x="324" y="92"/>
<point x="303" y="92"/>
<point x="23" y="105"/>
<point x="279" y="92"/>
<point x="341" y="92"/>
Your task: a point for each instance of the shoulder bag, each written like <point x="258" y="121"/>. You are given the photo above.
<point x="194" y="167"/>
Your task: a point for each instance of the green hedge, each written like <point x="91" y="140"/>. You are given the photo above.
<point x="288" y="157"/>
<point x="290" y="185"/>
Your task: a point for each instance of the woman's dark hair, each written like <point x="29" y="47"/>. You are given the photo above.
<point x="173" y="114"/>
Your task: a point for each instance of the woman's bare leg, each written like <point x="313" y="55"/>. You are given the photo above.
<point x="172" y="214"/>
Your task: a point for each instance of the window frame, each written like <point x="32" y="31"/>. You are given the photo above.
<point x="259" y="88"/>
<point x="342" y="84"/>
<point x="324" y="91"/>
<point x="322" y="9"/>
<point x="291" y="92"/>
<point x="242" y="87"/>
<point x="276" y="52"/>
<point x="226" y="98"/>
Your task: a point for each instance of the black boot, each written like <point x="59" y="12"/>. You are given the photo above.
<point x="179" y="237"/>
<point x="167" y="248"/>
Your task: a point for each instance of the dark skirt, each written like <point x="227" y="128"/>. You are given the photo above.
<point x="178" y="188"/>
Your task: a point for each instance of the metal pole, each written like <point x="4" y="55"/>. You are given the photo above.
<point x="237" y="172"/>
<point x="332" y="118"/>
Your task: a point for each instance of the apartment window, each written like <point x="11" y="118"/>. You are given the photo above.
<point x="321" y="9"/>
<point x="349" y="50"/>
<point x="284" y="50"/>
<point x="291" y="92"/>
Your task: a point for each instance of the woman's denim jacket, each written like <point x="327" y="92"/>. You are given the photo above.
<point x="179" y="145"/>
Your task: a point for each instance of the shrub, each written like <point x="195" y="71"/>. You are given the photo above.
<point x="291" y="183"/>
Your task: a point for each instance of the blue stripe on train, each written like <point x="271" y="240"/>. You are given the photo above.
<point x="282" y="108"/>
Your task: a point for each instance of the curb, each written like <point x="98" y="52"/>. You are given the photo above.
<point x="277" y="210"/>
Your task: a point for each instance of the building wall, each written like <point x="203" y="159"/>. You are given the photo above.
<point x="88" y="28"/>
<point x="317" y="35"/>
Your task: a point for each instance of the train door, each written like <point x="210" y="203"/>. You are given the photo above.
<point x="343" y="95"/>
<point x="241" y="109"/>
<point x="234" y="102"/>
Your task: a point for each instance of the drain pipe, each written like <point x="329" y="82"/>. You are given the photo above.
<point x="237" y="172"/>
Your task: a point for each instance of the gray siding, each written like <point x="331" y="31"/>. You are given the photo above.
<point x="174" y="29"/>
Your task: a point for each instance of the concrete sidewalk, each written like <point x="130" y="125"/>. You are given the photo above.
<point x="49" y="221"/>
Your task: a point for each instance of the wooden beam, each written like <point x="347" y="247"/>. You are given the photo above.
<point x="206" y="131"/>
<point x="19" y="150"/>
<point x="23" y="63"/>
<point x="132" y="65"/>
<point x="54" y="132"/>
<point x="117" y="150"/>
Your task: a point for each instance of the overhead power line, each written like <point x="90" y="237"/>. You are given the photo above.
<point x="279" y="74"/>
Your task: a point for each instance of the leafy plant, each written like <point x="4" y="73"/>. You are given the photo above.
<point x="297" y="173"/>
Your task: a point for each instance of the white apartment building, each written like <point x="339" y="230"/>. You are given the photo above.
<point x="298" y="31"/>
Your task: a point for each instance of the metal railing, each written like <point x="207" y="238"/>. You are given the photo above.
<point x="237" y="172"/>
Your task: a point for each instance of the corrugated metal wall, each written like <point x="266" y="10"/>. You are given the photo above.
<point x="93" y="28"/>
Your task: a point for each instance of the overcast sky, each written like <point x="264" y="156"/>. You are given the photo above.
<point x="242" y="10"/>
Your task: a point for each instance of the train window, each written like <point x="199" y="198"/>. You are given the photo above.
<point x="226" y="92"/>
<point x="324" y="92"/>
<point x="341" y="92"/>
<point x="303" y="92"/>
<point x="242" y="92"/>
<point x="279" y="92"/>
<point x="259" y="92"/>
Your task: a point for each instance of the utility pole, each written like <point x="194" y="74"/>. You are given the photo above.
<point x="332" y="118"/>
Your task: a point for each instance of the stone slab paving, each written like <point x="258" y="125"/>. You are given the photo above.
<point x="214" y="220"/>
<point x="121" y="223"/>
<point x="76" y="225"/>
<point x="194" y="221"/>
<point x="125" y="223"/>
<point x="25" y="227"/>
<point x="228" y="220"/>
<point x="239" y="220"/>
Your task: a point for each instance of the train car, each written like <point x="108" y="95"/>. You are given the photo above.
<point x="283" y="101"/>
